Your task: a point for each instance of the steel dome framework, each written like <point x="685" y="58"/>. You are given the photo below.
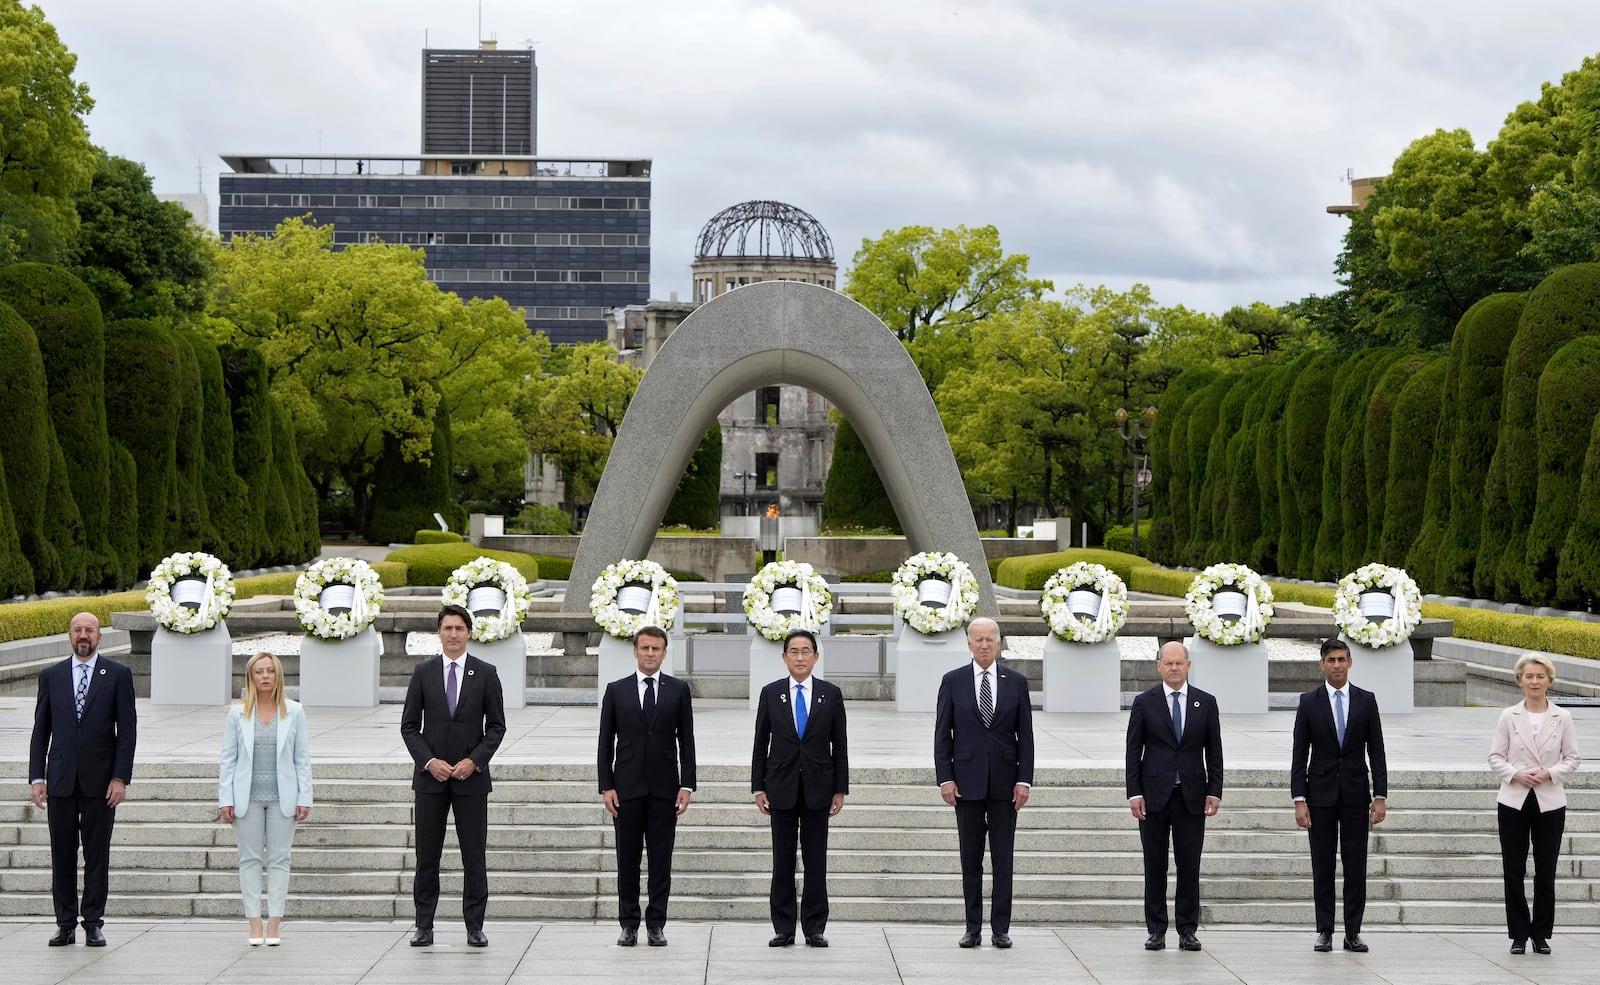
<point x="764" y="228"/>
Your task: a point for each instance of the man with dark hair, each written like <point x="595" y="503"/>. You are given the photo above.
<point x="453" y="722"/>
<point x="799" y="776"/>
<point x="1337" y="732"/>
<point x="646" y="769"/>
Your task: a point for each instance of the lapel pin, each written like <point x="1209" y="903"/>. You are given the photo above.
<point x="1197" y="704"/>
<point x="784" y="697"/>
<point x="821" y="698"/>
<point x="102" y="672"/>
<point x="471" y="672"/>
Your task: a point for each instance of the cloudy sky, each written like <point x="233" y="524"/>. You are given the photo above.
<point x="1190" y="146"/>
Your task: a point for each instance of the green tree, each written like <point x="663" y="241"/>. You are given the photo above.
<point x="1415" y="412"/>
<point x="1569" y="393"/>
<point x="853" y="495"/>
<point x="1171" y="509"/>
<point x="16" y="574"/>
<point x="579" y="414"/>
<point x="143" y="406"/>
<point x="227" y="531"/>
<point x="45" y="155"/>
<point x="1378" y="441"/>
<point x="1346" y="417"/>
<point x="1300" y="479"/>
<point x="25" y="442"/>
<point x="697" y="502"/>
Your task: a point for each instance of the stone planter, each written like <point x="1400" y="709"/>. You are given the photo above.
<point x="1082" y="676"/>
<point x="192" y="668"/>
<point x="1235" y="675"/>
<point x="920" y="663"/>
<point x="340" y="673"/>
<point x="1389" y="673"/>
<point x="510" y="659"/>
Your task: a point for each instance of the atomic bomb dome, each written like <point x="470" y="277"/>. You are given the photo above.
<point x="761" y="240"/>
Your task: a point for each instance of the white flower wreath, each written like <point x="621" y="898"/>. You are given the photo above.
<point x="1354" y="625"/>
<point x="1083" y="576"/>
<point x="325" y="624"/>
<point x="662" y="610"/>
<point x="945" y="566"/>
<point x="488" y="573"/>
<point x="1251" y="627"/>
<point x="214" y="601"/>
<point x="816" y="602"/>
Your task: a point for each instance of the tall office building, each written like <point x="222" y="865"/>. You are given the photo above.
<point x="565" y="238"/>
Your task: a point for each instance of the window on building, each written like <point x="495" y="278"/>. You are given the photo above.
<point x="767" y="469"/>
<point x="767" y="400"/>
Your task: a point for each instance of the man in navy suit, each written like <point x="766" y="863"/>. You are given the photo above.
<point x="1337" y="733"/>
<point x="80" y="762"/>
<point x="799" y="776"/>
<point x="453" y="721"/>
<point x="983" y="761"/>
<point x="1174" y="776"/>
<point x="646" y="770"/>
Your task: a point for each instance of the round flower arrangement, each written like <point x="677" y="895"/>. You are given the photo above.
<point x="1398" y="615"/>
<point x="361" y="589"/>
<point x="1101" y="609"/>
<point x="494" y="592"/>
<point x="651" y="596"/>
<point x="190" y="592"/>
<point x="916" y="609"/>
<point x="793" y="584"/>
<point x="1250" y="625"/>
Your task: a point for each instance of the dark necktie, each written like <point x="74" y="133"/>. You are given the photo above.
<point x="82" y="693"/>
<point x="1338" y="715"/>
<point x="800" y="713"/>
<point x="986" y="701"/>
<point x="1177" y="729"/>
<point x="450" y="690"/>
<point x="649" y="699"/>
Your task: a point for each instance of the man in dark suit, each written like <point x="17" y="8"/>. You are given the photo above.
<point x="1337" y="733"/>
<point x="646" y="739"/>
<point x="80" y="762"/>
<point x="800" y="774"/>
<point x="453" y="721"/>
<point x="1174" y="775"/>
<point x="983" y="761"/>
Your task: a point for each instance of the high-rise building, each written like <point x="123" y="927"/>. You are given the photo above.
<point x="480" y="101"/>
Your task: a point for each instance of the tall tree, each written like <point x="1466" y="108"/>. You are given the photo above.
<point x="588" y="394"/>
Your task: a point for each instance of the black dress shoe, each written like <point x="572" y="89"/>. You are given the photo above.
<point x="1519" y="947"/>
<point x="1155" y="942"/>
<point x="64" y="937"/>
<point x="781" y="940"/>
<point x="93" y="937"/>
<point x="1540" y="947"/>
<point x="657" y="936"/>
<point x="1324" y="943"/>
<point x="1001" y="940"/>
<point x="971" y="939"/>
<point x="477" y="938"/>
<point x="1188" y="942"/>
<point x="628" y="937"/>
<point x="1353" y="942"/>
<point x="423" y="937"/>
<point x="816" y="940"/>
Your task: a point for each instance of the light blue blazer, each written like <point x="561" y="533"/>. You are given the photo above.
<point x="294" y="761"/>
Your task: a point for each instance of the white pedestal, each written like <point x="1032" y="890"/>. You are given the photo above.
<point x="766" y="665"/>
<point x="340" y="673"/>
<point x="1389" y="673"/>
<point x="920" y="663"/>
<point x="510" y="659"/>
<point x="1082" y="676"/>
<point x="192" y="668"/>
<point x="1235" y="675"/>
<point x="616" y="660"/>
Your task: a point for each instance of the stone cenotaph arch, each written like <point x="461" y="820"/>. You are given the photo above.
<point x="778" y="332"/>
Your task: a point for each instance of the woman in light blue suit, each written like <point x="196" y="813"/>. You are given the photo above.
<point x="265" y="788"/>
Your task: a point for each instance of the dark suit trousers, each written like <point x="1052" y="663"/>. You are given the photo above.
<point x="994" y="821"/>
<point x="1342" y="829"/>
<point x="82" y="816"/>
<point x="1517" y="827"/>
<point x="472" y="832"/>
<point x="811" y="827"/>
<point x="1187" y="832"/>
<point x="643" y="821"/>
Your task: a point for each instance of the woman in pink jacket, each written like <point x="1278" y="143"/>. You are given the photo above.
<point x="1535" y="748"/>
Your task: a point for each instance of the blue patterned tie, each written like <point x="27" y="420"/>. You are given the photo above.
<point x="1338" y="715"/>
<point x="800" y="714"/>
<point x="82" y="693"/>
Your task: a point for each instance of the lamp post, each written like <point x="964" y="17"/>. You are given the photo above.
<point x="1135" y="433"/>
<point x="744" y="489"/>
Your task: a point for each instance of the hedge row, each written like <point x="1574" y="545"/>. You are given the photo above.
<point x="431" y="564"/>
<point x="1029" y="572"/>
<point x="437" y="537"/>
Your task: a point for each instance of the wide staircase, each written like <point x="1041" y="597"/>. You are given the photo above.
<point x="1435" y="861"/>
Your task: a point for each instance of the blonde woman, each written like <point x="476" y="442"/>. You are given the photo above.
<point x="1535" y="748"/>
<point x="265" y="789"/>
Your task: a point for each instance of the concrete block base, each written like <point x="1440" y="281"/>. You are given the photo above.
<point x="1389" y="673"/>
<point x="920" y="663"/>
<point x="510" y="659"/>
<point x="340" y="673"/>
<point x="1235" y="675"/>
<point x="192" y="668"/>
<point x="1082" y="677"/>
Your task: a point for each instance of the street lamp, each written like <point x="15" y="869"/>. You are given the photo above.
<point x="744" y="489"/>
<point x="1135" y="433"/>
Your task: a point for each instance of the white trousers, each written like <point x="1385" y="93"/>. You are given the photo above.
<point x="264" y="823"/>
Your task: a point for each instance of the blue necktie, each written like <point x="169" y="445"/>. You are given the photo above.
<point x="1338" y="715"/>
<point x="800" y="714"/>
<point x="82" y="693"/>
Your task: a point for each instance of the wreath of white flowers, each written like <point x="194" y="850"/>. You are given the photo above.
<point x="663" y="608"/>
<point x="1197" y="604"/>
<point x="1082" y="575"/>
<point x="1354" y="625"/>
<point x="816" y="602"/>
<point x="486" y="572"/>
<point x="326" y="625"/>
<point x="934" y="564"/>
<point x="215" y="602"/>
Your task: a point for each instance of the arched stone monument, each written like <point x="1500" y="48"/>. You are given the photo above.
<point x="778" y="332"/>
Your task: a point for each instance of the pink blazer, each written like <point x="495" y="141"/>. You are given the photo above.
<point x="1515" y="749"/>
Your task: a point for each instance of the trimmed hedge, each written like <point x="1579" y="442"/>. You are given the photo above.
<point x="1170" y="508"/>
<point x="16" y="574"/>
<point x="854" y="494"/>
<point x="123" y="518"/>
<point x="1578" y="571"/>
<point x="1300" y="477"/>
<point x="698" y="499"/>
<point x="406" y="494"/>
<point x="1204" y="411"/>
<point x="1343" y="432"/>
<point x="1569" y="393"/>
<point x="1120" y="539"/>
<point x="555" y="568"/>
<point x="1267" y="458"/>
<point x="303" y="540"/>
<point x="244" y="374"/>
<point x="142" y="409"/>
<point x="228" y="531"/>
<point x="437" y="537"/>
<point x="186" y="522"/>
<point x="1029" y="572"/>
<point x="25" y="439"/>
<point x="1416" y="412"/>
<point x="431" y="564"/>
<point x="1355" y="509"/>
